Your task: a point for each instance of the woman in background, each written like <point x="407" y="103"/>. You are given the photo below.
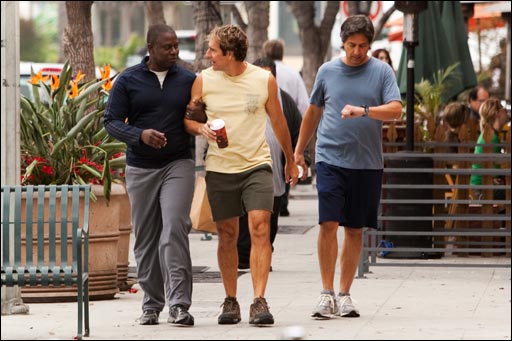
<point x="383" y="55"/>
<point x="493" y="116"/>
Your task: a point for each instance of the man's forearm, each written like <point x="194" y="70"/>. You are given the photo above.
<point x="193" y="127"/>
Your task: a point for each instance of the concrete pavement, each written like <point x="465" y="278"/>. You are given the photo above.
<point x="395" y="302"/>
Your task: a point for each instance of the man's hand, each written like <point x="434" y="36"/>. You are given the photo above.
<point x="153" y="138"/>
<point x="350" y="111"/>
<point x="196" y="111"/>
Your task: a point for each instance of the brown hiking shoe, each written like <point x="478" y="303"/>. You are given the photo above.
<point x="230" y="311"/>
<point x="259" y="313"/>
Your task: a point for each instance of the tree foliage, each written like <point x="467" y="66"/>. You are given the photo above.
<point x="38" y="41"/>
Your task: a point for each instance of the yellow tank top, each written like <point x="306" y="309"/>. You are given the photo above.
<point x="240" y="102"/>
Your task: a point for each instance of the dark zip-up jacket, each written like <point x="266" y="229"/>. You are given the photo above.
<point x="138" y="102"/>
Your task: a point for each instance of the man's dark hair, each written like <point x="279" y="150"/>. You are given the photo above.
<point x="155" y="30"/>
<point x="473" y="94"/>
<point x="357" y="24"/>
<point x="266" y="62"/>
<point x="273" y="49"/>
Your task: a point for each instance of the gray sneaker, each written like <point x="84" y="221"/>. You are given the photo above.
<point x="347" y="307"/>
<point x="149" y="317"/>
<point x="325" y="308"/>
<point x="180" y="316"/>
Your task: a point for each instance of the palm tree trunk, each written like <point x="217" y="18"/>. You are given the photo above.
<point x="154" y="12"/>
<point x="78" y="39"/>
<point x="206" y="17"/>
<point x="257" y="28"/>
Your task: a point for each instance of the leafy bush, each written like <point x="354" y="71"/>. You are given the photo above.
<point x="63" y="140"/>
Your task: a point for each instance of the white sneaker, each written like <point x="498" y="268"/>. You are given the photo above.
<point x="346" y="306"/>
<point x="326" y="307"/>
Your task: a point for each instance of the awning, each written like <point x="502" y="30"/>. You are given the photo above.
<point x="486" y="17"/>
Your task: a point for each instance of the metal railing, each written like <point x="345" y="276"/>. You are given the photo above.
<point x="425" y="217"/>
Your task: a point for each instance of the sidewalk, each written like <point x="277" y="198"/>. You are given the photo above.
<point x="395" y="302"/>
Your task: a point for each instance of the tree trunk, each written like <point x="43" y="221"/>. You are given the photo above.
<point x="237" y="18"/>
<point x="258" y="13"/>
<point x="359" y="7"/>
<point x="155" y="15"/>
<point x="206" y="17"/>
<point x="154" y="12"/>
<point x="61" y="26"/>
<point x="315" y="39"/>
<point x="78" y="42"/>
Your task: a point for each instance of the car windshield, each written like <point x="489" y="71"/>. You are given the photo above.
<point x="187" y="43"/>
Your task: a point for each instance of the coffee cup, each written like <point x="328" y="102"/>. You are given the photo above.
<point x="301" y="171"/>
<point x="219" y="127"/>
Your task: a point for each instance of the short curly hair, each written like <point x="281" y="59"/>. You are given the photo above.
<point x="156" y="30"/>
<point x="231" y="38"/>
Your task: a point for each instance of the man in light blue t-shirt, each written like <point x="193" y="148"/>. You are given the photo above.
<point x="351" y="97"/>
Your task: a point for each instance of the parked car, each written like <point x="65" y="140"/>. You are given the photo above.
<point x="187" y="40"/>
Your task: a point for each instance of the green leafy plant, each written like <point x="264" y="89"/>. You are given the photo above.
<point x="62" y="137"/>
<point x="429" y="98"/>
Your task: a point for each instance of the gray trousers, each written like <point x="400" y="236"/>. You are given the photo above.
<point x="160" y="211"/>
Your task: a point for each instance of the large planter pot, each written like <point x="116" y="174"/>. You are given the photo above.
<point x="125" y="229"/>
<point x="105" y="222"/>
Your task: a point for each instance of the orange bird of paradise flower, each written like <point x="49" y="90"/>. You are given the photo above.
<point x="74" y="90"/>
<point x="78" y="76"/>
<point x="38" y="77"/>
<point x="105" y="74"/>
<point x="105" y="71"/>
<point x="55" y="82"/>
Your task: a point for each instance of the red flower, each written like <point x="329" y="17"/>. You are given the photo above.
<point x="47" y="170"/>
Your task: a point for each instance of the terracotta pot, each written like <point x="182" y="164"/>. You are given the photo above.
<point x="123" y="248"/>
<point x="105" y="223"/>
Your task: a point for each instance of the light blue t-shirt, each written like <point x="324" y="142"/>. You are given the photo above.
<point x="352" y="143"/>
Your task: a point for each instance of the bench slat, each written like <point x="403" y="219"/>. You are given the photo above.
<point x="6" y="214"/>
<point x="40" y="224"/>
<point x="29" y="224"/>
<point x="52" y="226"/>
<point x="17" y="226"/>
<point x="64" y="224"/>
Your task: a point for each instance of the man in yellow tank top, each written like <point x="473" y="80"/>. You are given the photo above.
<point x="239" y="176"/>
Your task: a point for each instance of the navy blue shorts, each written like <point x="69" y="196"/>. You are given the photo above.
<point x="348" y="196"/>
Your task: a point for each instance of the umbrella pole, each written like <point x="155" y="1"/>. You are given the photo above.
<point x="411" y="10"/>
<point x="409" y="109"/>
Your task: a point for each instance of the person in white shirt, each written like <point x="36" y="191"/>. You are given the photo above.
<point x="288" y="79"/>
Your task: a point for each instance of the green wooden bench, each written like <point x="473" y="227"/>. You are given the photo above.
<point x="37" y="219"/>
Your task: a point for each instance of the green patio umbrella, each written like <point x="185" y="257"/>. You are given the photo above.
<point x="442" y="41"/>
<point x="456" y="32"/>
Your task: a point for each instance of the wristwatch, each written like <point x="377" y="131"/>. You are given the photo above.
<point x="366" y="110"/>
